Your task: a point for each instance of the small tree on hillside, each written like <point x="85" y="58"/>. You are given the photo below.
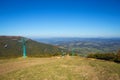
<point x="118" y="56"/>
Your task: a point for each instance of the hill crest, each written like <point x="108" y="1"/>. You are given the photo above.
<point x="34" y="49"/>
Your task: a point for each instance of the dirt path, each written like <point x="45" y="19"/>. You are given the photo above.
<point x="22" y="63"/>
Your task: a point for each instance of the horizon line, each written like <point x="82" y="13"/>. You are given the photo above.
<point x="62" y="36"/>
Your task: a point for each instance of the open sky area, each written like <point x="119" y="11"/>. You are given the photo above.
<point x="60" y="18"/>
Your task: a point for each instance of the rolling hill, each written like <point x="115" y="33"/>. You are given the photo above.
<point x="85" y="45"/>
<point x="10" y="46"/>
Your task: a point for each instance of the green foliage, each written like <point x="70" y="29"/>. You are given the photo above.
<point x="105" y="56"/>
<point x="73" y="54"/>
<point x="117" y="59"/>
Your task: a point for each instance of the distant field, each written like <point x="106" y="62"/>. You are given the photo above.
<point x="58" y="68"/>
<point x="85" y="45"/>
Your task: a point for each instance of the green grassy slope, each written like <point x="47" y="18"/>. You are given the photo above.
<point x="34" y="49"/>
<point x="67" y="68"/>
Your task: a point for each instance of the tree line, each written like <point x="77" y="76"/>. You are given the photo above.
<point x="106" y="56"/>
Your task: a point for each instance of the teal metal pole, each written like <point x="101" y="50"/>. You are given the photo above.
<point x="62" y="53"/>
<point x="24" y="48"/>
<point x="73" y="52"/>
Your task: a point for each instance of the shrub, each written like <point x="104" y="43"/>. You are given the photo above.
<point x="117" y="59"/>
<point x="105" y="56"/>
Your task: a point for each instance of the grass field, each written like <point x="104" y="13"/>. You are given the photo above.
<point x="66" y="68"/>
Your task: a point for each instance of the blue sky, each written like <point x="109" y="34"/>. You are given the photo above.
<point x="60" y="18"/>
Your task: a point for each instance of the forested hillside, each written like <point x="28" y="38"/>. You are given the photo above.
<point x="11" y="46"/>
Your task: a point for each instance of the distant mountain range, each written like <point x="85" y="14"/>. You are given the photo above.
<point x="85" y="45"/>
<point x="10" y="46"/>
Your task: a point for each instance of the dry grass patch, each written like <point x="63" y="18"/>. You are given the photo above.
<point x="66" y="68"/>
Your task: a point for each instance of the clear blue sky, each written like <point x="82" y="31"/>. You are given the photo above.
<point x="60" y="18"/>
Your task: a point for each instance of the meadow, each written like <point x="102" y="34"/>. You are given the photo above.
<point x="58" y="68"/>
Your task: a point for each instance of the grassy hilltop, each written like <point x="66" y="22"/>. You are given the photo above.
<point x="56" y="68"/>
<point x="11" y="47"/>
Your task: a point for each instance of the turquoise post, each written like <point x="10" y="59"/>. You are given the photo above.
<point x="73" y="52"/>
<point x="62" y="53"/>
<point x="24" y="48"/>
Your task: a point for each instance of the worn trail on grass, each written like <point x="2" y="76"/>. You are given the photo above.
<point x="15" y="64"/>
